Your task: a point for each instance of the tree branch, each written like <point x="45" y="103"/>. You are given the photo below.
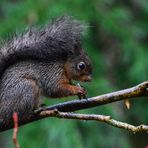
<point x="140" y="90"/>
<point x="101" y="118"/>
<point x="137" y="91"/>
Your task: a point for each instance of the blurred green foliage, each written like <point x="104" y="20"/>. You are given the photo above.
<point x="116" y="42"/>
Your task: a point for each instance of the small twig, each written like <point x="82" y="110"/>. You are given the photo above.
<point x="101" y="118"/>
<point x="70" y="115"/>
<point x="15" y="130"/>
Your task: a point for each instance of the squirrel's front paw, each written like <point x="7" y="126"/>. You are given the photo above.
<point x="81" y="92"/>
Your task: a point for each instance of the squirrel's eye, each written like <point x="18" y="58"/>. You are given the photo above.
<point x="81" y="66"/>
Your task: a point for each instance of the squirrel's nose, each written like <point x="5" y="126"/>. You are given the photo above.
<point x="89" y="78"/>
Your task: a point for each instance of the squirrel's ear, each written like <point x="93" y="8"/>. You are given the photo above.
<point x="78" y="48"/>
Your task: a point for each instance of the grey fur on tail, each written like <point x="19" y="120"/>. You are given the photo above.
<point x="56" y="41"/>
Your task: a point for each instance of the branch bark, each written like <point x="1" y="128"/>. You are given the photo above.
<point x="140" y="90"/>
<point x="101" y="118"/>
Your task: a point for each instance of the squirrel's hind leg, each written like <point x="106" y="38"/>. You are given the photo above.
<point x="29" y="93"/>
<point x="21" y="96"/>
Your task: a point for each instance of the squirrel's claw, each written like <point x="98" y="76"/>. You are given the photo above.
<point x="82" y="96"/>
<point x="41" y="108"/>
<point x="82" y="92"/>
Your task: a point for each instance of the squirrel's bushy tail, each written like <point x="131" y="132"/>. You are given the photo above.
<point x="56" y="41"/>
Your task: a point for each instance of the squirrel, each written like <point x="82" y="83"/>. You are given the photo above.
<point x="42" y="63"/>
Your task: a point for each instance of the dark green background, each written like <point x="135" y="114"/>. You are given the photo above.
<point x="117" y="43"/>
